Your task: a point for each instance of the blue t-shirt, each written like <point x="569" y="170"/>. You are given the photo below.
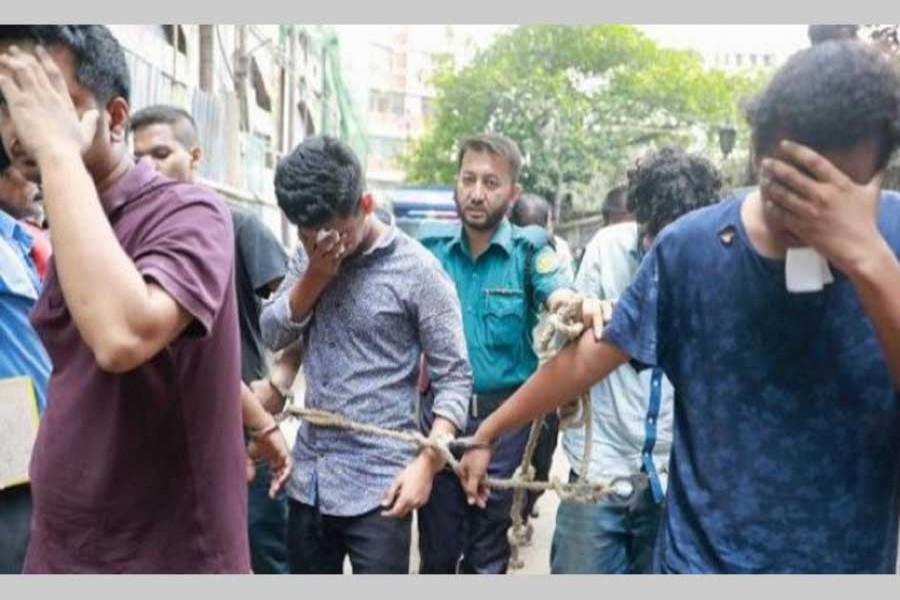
<point x="787" y="424"/>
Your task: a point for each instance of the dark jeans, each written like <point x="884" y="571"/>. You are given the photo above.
<point x="318" y="544"/>
<point x="609" y="537"/>
<point x="455" y="537"/>
<point x="267" y="526"/>
<point x="15" y="519"/>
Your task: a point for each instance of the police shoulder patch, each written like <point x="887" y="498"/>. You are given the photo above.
<point x="546" y="261"/>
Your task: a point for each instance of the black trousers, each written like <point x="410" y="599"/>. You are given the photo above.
<point x="318" y="544"/>
<point x="455" y="537"/>
<point x="15" y="520"/>
<point x="542" y="460"/>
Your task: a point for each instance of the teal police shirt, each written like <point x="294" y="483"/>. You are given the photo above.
<point x="501" y="294"/>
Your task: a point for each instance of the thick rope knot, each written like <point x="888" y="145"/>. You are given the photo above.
<point x="560" y="328"/>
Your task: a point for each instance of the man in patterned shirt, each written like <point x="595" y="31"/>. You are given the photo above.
<point x="367" y="301"/>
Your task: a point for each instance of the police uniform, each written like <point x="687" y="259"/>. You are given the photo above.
<point x="501" y="293"/>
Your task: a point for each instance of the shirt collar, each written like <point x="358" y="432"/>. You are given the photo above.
<point x="122" y="190"/>
<point x="385" y="239"/>
<point x="502" y="237"/>
<point x="11" y="229"/>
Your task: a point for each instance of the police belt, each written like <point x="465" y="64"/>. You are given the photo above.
<point x="482" y="405"/>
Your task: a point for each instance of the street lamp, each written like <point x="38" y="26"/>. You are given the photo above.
<point x="727" y="137"/>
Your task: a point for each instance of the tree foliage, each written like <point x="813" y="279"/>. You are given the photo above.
<point x="581" y="101"/>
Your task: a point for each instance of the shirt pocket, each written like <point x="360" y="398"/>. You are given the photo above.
<point x="504" y="317"/>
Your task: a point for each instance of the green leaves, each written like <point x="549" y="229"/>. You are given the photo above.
<point x="582" y="102"/>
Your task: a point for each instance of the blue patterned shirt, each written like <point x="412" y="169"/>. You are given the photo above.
<point x="786" y="447"/>
<point x="361" y="360"/>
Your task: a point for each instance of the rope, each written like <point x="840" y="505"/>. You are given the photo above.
<point x="585" y="492"/>
<point x="559" y="329"/>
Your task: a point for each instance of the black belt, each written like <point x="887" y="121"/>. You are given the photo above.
<point x="482" y="405"/>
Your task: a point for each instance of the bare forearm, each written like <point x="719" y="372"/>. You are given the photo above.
<point x="305" y="294"/>
<point x="254" y="415"/>
<point x="562" y="379"/>
<point x="287" y="364"/>
<point x="103" y="289"/>
<point x="877" y="282"/>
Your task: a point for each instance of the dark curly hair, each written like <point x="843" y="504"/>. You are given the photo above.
<point x="100" y="62"/>
<point x="668" y="183"/>
<point x="320" y="180"/>
<point x="823" y="33"/>
<point x="833" y="95"/>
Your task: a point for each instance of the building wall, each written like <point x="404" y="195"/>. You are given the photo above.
<point x="239" y="162"/>
<point x="389" y="68"/>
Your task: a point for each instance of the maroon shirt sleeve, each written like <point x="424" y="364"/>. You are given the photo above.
<point x="188" y="250"/>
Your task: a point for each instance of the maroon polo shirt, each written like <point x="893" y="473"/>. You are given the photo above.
<point x="144" y="471"/>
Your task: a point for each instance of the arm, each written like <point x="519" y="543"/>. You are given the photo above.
<point x="559" y="381"/>
<point x="439" y="321"/>
<point x="284" y="370"/>
<point x="268" y="442"/>
<point x="877" y="281"/>
<point x="286" y="314"/>
<point x="838" y="217"/>
<point x="132" y="320"/>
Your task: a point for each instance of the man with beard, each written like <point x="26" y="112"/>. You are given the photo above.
<point x="504" y="276"/>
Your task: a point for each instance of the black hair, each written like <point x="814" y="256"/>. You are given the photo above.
<point x="183" y="124"/>
<point x="833" y="95"/>
<point x="823" y="33"/>
<point x="320" y="180"/>
<point x="669" y="183"/>
<point x="496" y="144"/>
<point x="616" y="202"/>
<point x="100" y="64"/>
<point x="530" y="209"/>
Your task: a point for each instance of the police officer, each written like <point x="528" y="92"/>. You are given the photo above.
<point x="504" y="276"/>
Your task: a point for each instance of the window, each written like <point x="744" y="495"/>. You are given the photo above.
<point x="169" y="31"/>
<point x="386" y="151"/>
<point x="390" y="103"/>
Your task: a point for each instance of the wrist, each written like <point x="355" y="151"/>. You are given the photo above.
<point x="318" y="278"/>
<point x="872" y="262"/>
<point x="60" y="151"/>
<point x="486" y="433"/>
<point x="432" y="459"/>
<point x="264" y="431"/>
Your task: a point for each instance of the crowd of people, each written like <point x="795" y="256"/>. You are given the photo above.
<point x="741" y="349"/>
